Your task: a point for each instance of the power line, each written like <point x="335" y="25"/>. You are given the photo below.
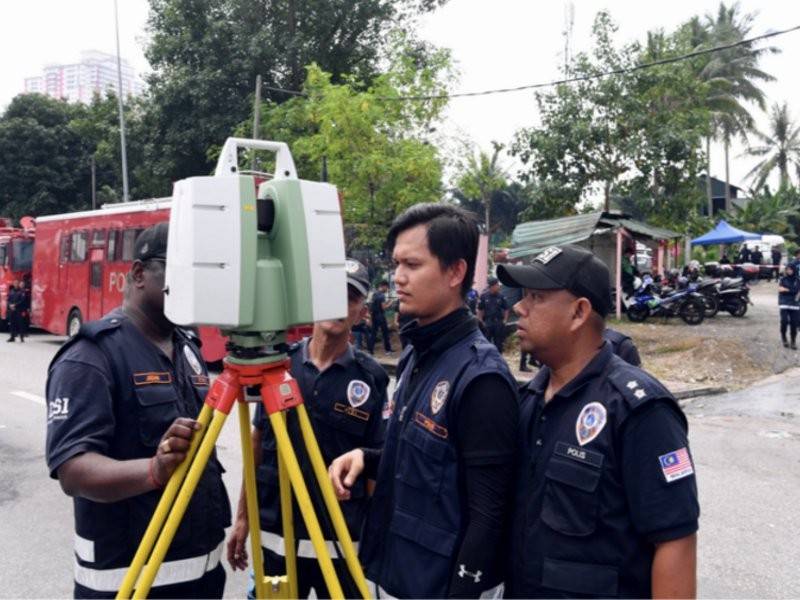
<point x="533" y="86"/>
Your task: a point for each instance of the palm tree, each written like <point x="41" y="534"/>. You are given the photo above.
<point x="481" y="177"/>
<point x="779" y="149"/>
<point x="733" y="77"/>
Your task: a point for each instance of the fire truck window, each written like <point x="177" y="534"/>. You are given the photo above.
<point x="97" y="274"/>
<point x="98" y="237"/>
<point x="22" y="255"/>
<point x="112" y="246"/>
<point x="65" y="244"/>
<point x="128" y="240"/>
<point x="77" y="252"/>
<point x="3" y="250"/>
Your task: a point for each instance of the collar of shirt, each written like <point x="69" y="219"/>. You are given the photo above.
<point x="343" y="360"/>
<point x="440" y="335"/>
<point x="538" y="384"/>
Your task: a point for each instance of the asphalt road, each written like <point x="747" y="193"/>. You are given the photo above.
<point x="746" y="447"/>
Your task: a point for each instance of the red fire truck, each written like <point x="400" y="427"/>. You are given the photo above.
<point x="79" y="265"/>
<point x="80" y="261"/>
<point x="16" y="258"/>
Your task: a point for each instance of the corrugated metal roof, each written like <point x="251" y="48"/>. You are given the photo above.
<point x="534" y="236"/>
<point x="657" y="233"/>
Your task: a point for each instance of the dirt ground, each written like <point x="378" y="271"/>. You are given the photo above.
<point x="723" y="351"/>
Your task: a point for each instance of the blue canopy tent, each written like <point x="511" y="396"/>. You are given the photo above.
<point x="724" y="234"/>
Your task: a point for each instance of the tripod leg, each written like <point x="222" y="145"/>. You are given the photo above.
<point x="287" y="518"/>
<point x="249" y="468"/>
<point x="181" y="503"/>
<point x="164" y="504"/>
<point x="331" y="503"/>
<point x="286" y="452"/>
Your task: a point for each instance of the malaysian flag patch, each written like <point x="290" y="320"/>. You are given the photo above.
<point x="676" y="465"/>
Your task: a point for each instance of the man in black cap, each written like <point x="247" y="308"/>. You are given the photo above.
<point x="345" y="392"/>
<point x="121" y="398"/>
<point x="493" y="313"/>
<point x="606" y="502"/>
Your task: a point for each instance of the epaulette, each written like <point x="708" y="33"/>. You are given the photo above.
<point x="94" y="329"/>
<point x="295" y="347"/>
<point x="372" y="366"/>
<point x="191" y="335"/>
<point x="635" y="385"/>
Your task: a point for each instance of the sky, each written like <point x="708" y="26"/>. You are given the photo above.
<point x="495" y="44"/>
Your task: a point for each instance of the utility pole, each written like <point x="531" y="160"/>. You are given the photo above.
<point x="125" y="191"/>
<point x="256" y="118"/>
<point x="94" y="185"/>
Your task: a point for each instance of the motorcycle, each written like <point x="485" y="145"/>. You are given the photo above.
<point x="734" y="296"/>
<point x="649" y="301"/>
<point x="706" y="287"/>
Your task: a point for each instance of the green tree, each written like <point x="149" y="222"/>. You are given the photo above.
<point x="480" y="178"/>
<point x="44" y="161"/>
<point x="205" y="56"/>
<point x="635" y="134"/>
<point x="375" y="148"/>
<point x="779" y="149"/>
<point x="769" y="213"/>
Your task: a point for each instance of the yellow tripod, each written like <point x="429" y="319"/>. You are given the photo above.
<point x="279" y="393"/>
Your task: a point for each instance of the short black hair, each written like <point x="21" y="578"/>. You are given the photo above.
<point x="382" y="282"/>
<point x="452" y="234"/>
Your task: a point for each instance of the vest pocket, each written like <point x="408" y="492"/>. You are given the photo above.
<point x="571" y="501"/>
<point x="580" y="578"/>
<point x="422" y="461"/>
<point x="157" y="410"/>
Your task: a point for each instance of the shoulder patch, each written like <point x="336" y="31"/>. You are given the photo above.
<point x="636" y="385"/>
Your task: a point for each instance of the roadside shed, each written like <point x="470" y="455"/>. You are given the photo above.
<point x="604" y="234"/>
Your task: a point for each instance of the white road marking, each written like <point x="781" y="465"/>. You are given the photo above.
<point x="28" y="396"/>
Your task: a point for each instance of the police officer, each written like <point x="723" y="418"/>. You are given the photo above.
<point x="377" y="308"/>
<point x="622" y="345"/>
<point x="606" y="502"/>
<point x="493" y="313"/>
<point x="436" y="522"/>
<point x="121" y="397"/>
<point x="345" y="392"/>
<point x="744" y="255"/>
<point x="14" y="313"/>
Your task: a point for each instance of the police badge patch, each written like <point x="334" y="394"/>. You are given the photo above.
<point x="591" y="421"/>
<point x="192" y="360"/>
<point x="439" y="396"/>
<point x="357" y="393"/>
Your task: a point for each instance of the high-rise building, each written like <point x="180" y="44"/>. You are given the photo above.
<point x="79" y="82"/>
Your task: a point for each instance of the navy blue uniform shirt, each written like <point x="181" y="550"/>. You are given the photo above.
<point x="345" y="403"/>
<point x="112" y="391"/>
<point x="494" y="307"/>
<point x="605" y="473"/>
<point x="376" y="306"/>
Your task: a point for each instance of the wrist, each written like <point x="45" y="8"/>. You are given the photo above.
<point x="151" y="474"/>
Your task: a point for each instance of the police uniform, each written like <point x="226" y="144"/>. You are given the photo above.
<point x="605" y="474"/>
<point x="345" y="403"/>
<point x="622" y="345"/>
<point x="417" y="517"/>
<point x="494" y="307"/>
<point x="112" y="391"/>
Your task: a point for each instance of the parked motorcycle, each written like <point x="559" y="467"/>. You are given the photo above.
<point x="649" y="301"/>
<point x="734" y="296"/>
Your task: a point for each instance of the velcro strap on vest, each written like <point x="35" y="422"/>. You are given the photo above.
<point x="305" y="549"/>
<point x="170" y="573"/>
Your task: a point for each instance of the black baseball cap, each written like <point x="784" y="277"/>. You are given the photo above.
<point x="357" y="276"/>
<point x="570" y="268"/>
<point x="152" y="243"/>
<point x="492" y="280"/>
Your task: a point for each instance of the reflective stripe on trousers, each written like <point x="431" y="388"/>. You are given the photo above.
<point x="305" y="549"/>
<point x="170" y="573"/>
